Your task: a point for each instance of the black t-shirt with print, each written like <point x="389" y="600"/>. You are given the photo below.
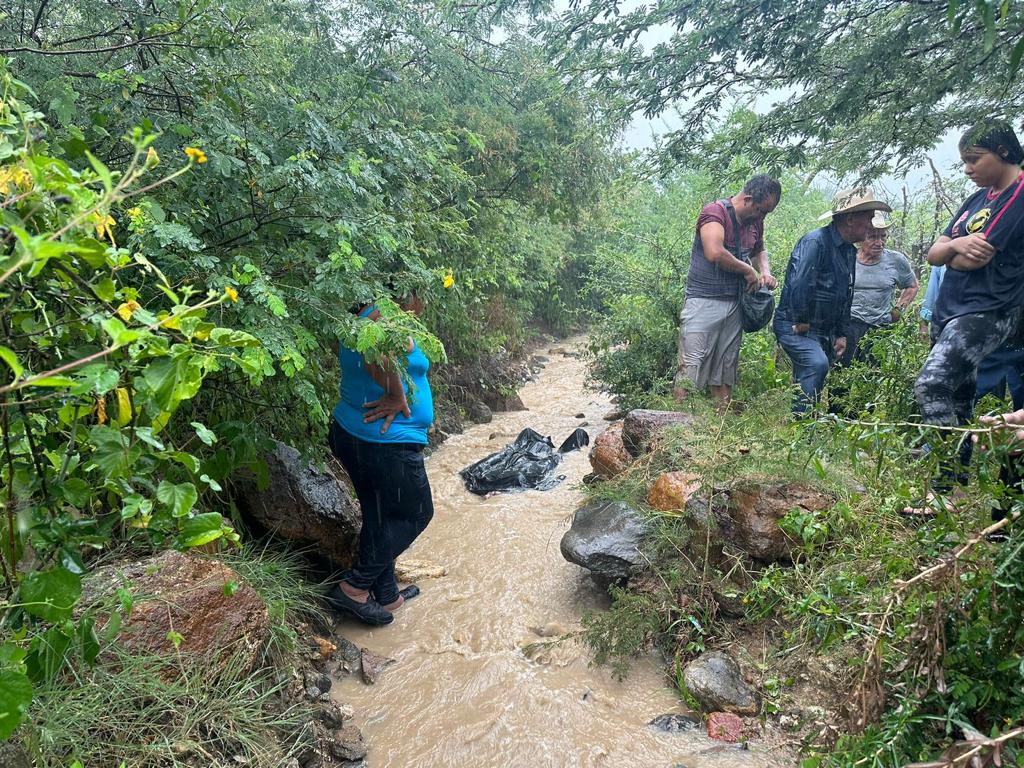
<point x="999" y="285"/>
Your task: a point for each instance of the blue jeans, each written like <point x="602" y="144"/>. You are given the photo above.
<point x="811" y="354"/>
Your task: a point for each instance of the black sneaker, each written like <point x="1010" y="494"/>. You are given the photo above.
<point x="370" y="612"/>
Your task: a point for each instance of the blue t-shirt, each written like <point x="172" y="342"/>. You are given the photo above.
<point x="358" y="387"/>
<point x="999" y="285"/>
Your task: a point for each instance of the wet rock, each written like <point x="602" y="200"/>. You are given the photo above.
<point x="607" y="538"/>
<point x="184" y="597"/>
<point x="729" y="599"/>
<point x="348" y="744"/>
<point x="609" y="456"/>
<point x="746" y="515"/>
<point x="332" y="715"/>
<point x="372" y="666"/>
<point x="321" y="648"/>
<point x="409" y="570"/>
<point x="558" y="351"/>
<point x="672" y="490"/>
<point x="714" y="679"/>
<point x="592" y="478"/>
<point x="584" y="424"/>
<point x="674" y="723"/>
<point x="316" y="684"/>
<point x="613" y="416"/>
<point x="581" y="415"/>
<point x="725" y="726"/>
<point x="305" y="505"/>
<point x="642" y="427"/>
<point x="478" y="412"/>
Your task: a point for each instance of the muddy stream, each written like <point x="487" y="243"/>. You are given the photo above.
<point x="466" y="689"/>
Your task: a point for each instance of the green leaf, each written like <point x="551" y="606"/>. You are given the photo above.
<point x="92" y="251"/>
<point x="105" y="289"/>
<point x="76" y="491"/>
<point x="133" y="505"/>
<point x="15" y="697"/>
<point x="47" y="653"/>
<point x="50" y="595"/>
<point x="229" y="337"/>
<point x="176" y="638"/>
<point x="205" y="434"/>
<point x="98" y="378"/>
<point x="111" y="453"/>
<point x="54" y="381"/>
<point x="201" y="529"/>
<point x="102" y="171"/>
<point x="8" y="356"/>
<point x="89" y="641"/>
<point x="1015" y="57"/>
<point x="180" y="498"/>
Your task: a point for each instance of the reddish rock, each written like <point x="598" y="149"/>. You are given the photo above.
<point x="200" y="602"/>
<point x="642" y="427"/>
<point x="746" y="515"/>
<point x="725" y="726"/>
<point x="672" y="490"/>
<point x="609" y="456"/>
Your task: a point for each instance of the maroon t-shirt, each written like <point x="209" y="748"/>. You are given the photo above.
<point x="706" y="280"/>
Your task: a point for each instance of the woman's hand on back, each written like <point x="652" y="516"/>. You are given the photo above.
<point x="387" y="407"/>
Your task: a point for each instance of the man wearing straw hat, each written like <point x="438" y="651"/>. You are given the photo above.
<point x="880" y="272"/>
<point x="810" y="322"/>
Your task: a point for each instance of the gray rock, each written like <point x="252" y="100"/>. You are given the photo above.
<point x="675" y="723"/>
<point x="715" y="680"/>
<point x="372" y="665"/>
<point x="608" y="539"/>
<point x="642" y="427"/>
<point x="305" y="505"/>
<point x="478" y="412"/>
<point x="348" y="744"/>
<point x="13" y="756"/>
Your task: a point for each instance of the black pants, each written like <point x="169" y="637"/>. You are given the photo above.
<point x="394" y="494"/>
<point x="946" y="386"/>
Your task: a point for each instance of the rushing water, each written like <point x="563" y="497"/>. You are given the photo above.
<point x="467" y="689"/>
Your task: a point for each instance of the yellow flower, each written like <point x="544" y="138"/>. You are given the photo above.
<point x="104" y="225"/>
<point x="127" y="309"/>
<point x="152" y="158"/>
<point x="449" y="280"/>
<point x="134" y="213"/>
<point x="231" y="293"/>
<point x="16" y="176"/>
<point x="196" y="155"/>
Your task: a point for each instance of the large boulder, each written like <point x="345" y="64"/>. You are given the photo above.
<point x="478" y="412"/>
<point x="608" y="539"/>
<point x="311" y="507"/>
<point x="184" y="604"/>
<point x="672" y="490"/>
<point x="642" y="427"/>
<point x="715" y="680"/>
<point x="609" y="456"/>
<point x="745" y="515"/>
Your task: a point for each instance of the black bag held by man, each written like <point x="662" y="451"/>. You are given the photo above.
<point x="757" y="308"/>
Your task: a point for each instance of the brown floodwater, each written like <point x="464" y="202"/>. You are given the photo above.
<point x="469" y="687"/>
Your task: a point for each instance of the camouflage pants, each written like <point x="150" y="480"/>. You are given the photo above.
<point x="945" y="388"/>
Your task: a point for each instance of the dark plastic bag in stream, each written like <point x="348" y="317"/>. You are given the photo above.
<point x="525" y="464"/>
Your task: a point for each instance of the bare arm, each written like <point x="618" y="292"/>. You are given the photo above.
<point x="907" y="296"/>
<point x="964" y="253"/>
<point x="765" y="268"/>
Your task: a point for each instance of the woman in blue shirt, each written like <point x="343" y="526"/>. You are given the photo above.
<point x="980" y="301"/>
<point x="378" y="431"/>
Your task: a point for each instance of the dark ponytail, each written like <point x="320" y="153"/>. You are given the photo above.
<point x="998" y="137"/>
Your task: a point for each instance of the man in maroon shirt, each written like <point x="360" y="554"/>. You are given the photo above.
<point x="724" y="262"/>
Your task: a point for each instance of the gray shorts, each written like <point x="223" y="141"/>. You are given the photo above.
<point x="709" y="343"/>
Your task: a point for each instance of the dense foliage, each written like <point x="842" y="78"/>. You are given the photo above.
<point x="852" y="86"/>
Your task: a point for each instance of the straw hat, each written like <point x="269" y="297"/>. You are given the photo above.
<point x="855" y="200"/>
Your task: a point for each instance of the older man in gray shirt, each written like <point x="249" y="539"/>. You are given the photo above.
<point x="880" y="272"/>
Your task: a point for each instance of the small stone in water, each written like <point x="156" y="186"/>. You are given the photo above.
<point x="674" y="723"/>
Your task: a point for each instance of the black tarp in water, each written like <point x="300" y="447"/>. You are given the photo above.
<point x="527" y="463"/>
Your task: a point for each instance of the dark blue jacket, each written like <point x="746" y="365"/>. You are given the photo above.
<point x="819" y="281"/>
